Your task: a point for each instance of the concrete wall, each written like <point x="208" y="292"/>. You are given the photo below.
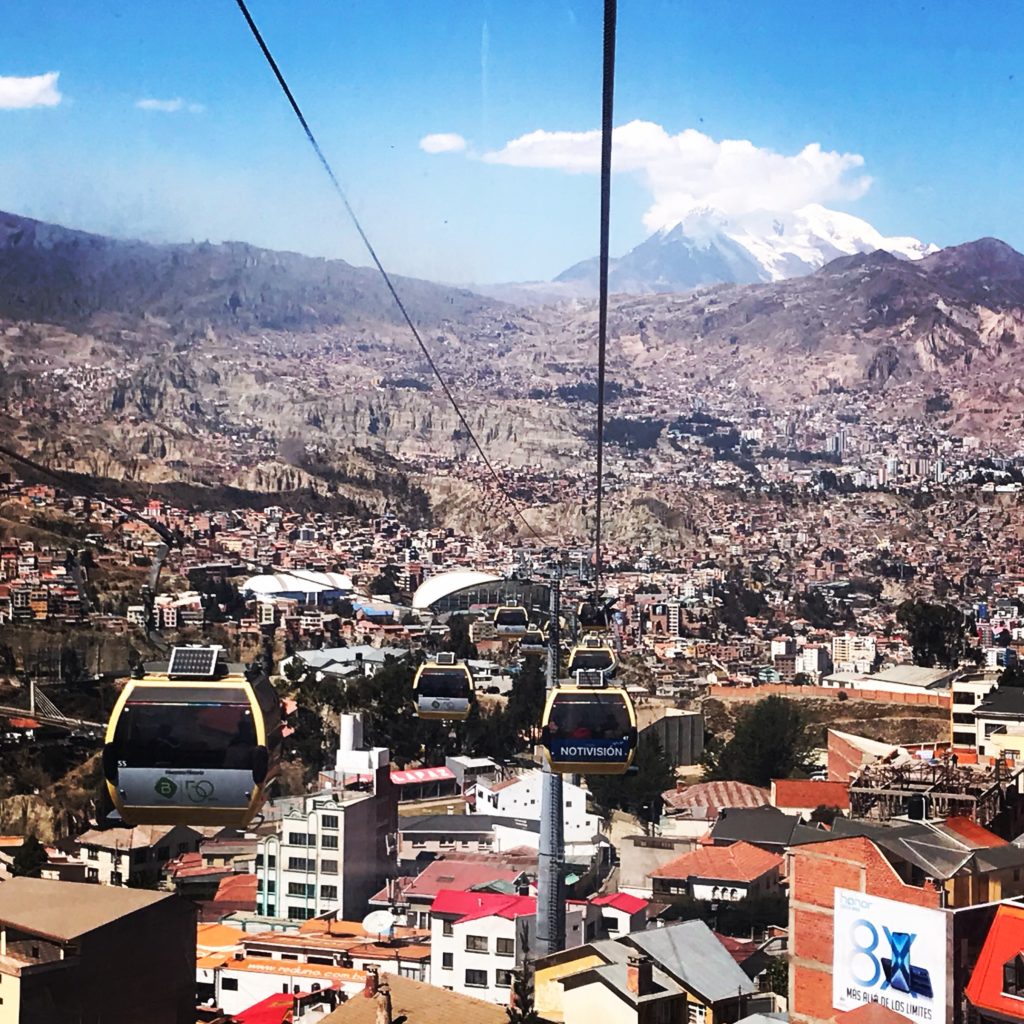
<point x="680" y="736"/>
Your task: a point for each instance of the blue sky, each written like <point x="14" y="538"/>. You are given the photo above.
<point x="929" y="96"/>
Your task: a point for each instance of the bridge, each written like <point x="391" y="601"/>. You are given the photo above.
<point x="42" y="710"/>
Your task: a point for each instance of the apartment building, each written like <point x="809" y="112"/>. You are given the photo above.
<point x="134" y="856"/>
<point x="853" y="653"/>
<point x="333" y="849"/>
<point x="968" y="692"/>
<point x="477" y="938"/>
<point x="70" y="952"/>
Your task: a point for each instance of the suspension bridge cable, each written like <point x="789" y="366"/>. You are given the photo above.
<point x="607" y="98"/>
<point x="325" y="163"/>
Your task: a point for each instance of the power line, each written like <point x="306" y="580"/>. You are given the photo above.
<point x="607" y="98"/>
<point x="297" y="110"/>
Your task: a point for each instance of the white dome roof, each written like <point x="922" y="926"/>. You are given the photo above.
<point x="298" y="581"/>
<point x="433" y="588"/>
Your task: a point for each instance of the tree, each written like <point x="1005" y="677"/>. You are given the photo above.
<point x="638" y="791"/>
<point x="771" y="741"/>
<point x="1012" y="675"/>
<point x="29" y="858"/>
<point x="777" y="975"/>
<point x="825" y="815"/>
<point x="458" y="641"/>
<point x="935" y="631"/>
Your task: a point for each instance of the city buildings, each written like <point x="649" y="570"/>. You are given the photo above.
<point x="68" y="950"/>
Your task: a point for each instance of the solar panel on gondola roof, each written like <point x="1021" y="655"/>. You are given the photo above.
<point x="193" y="662"/>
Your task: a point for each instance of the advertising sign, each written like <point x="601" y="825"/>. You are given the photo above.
<point x="889" y="953"/>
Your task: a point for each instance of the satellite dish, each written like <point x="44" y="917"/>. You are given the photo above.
<point x="379" y="922"/>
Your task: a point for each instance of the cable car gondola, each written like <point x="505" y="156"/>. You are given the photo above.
<point x="594" y="615"/>
<point x="443" y="689"/>
<point x="533" y="641"/>
<point x="197" y="742"/>
<point x="511" y="620"/>
<point x="589" y="729"/>
<point x="593" y="655"/>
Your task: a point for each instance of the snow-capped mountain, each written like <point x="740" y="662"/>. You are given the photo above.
<point x="710" y="248"/>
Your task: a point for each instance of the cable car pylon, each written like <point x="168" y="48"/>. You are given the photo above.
<point x="551" y="853"/>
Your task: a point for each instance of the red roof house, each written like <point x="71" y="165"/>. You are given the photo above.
<point x="720" y="872"/>
<point x="996" y="987"/>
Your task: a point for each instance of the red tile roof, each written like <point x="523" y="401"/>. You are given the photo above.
<point x="1004" y="942"/>
<point x="621" y="901"/>
<point x="795" y="793"/>
<point x="976" y="835"/>
<point x="470" y="906"/>
<point x="713" y="796"/>
<point x="740" y="862"/>
<point x="237" y="888"/>
<point x="451" y="874"/>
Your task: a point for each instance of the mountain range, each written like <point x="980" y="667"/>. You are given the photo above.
<point x="710" y="248"/>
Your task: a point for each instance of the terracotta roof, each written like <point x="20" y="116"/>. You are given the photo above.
<point x="1004" y="942"/>
<point x="451" y="874"/>
<point x="975" y="834"/>
<point x="419" y="1003"/>
<point x="871" y="1013"/>
<point x="237" y="888"/>
<point x="788" y="794"/>
<point x="621" y="901"/>
<point x="740" y="862"/>
<point x="711" y="797"/>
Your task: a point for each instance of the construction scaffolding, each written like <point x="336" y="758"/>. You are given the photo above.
<point x="908" y="787"/>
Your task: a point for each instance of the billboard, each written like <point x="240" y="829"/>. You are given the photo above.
<point x="890" y="953"/>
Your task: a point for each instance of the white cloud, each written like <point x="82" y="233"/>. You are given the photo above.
<point x="170" y="106"/>
<point x="690" y="170"/>
<point x="34" y="91"/>
<point x="443" y="142"/>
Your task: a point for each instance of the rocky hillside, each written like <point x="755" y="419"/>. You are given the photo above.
<point x="57" y="275"/>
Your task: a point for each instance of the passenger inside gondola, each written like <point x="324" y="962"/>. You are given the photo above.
<point x="435" y="685"/>
<point x="186" y="736"/>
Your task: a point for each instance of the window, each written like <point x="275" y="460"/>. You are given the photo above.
<point x="447" y="928"/>
<point x="476" y="943"/>
<point x="447" y="961"/>
<point x="503" y="979"/>
<point x="301" y="889"/>
<point x="271" y="861"/>
<point x="959" y="697"/>
<point x="328" y="867"/>
<point x="963" y="717"/>
<point x="259" y="860"/>
<point x="93" y="853"/>
<point x="300" y="913"/>
<point x="271" y="909"/>
<point x="116" y="878"/>
<point x="328" y="892"/>
<point x="505" y="947"/>
<point x="298" y="864"/>
<point x="329" y="821"/>
<point x="695" y="1014"/>
<point x="271" y="885"/>
<point x="93" y="874"/>
<point x="298" y="839"/>
<point x="229" y="984"/>
<point x="1013" y="976"/>
<point x="329" y="842"/>
<point x="476" y="979"/>
<point x="610" y="923"/>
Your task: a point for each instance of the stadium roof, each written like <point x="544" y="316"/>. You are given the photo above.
<point x="433" y="588"/>
<point x="298" y="581"/>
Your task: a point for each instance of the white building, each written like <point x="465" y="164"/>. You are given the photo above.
<point x="968" y="692"/>
<point x="334" y="849"/>
<point x="476" y="939"/>
<point x="519" y="797"/>
<point x="853" y="653"/>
